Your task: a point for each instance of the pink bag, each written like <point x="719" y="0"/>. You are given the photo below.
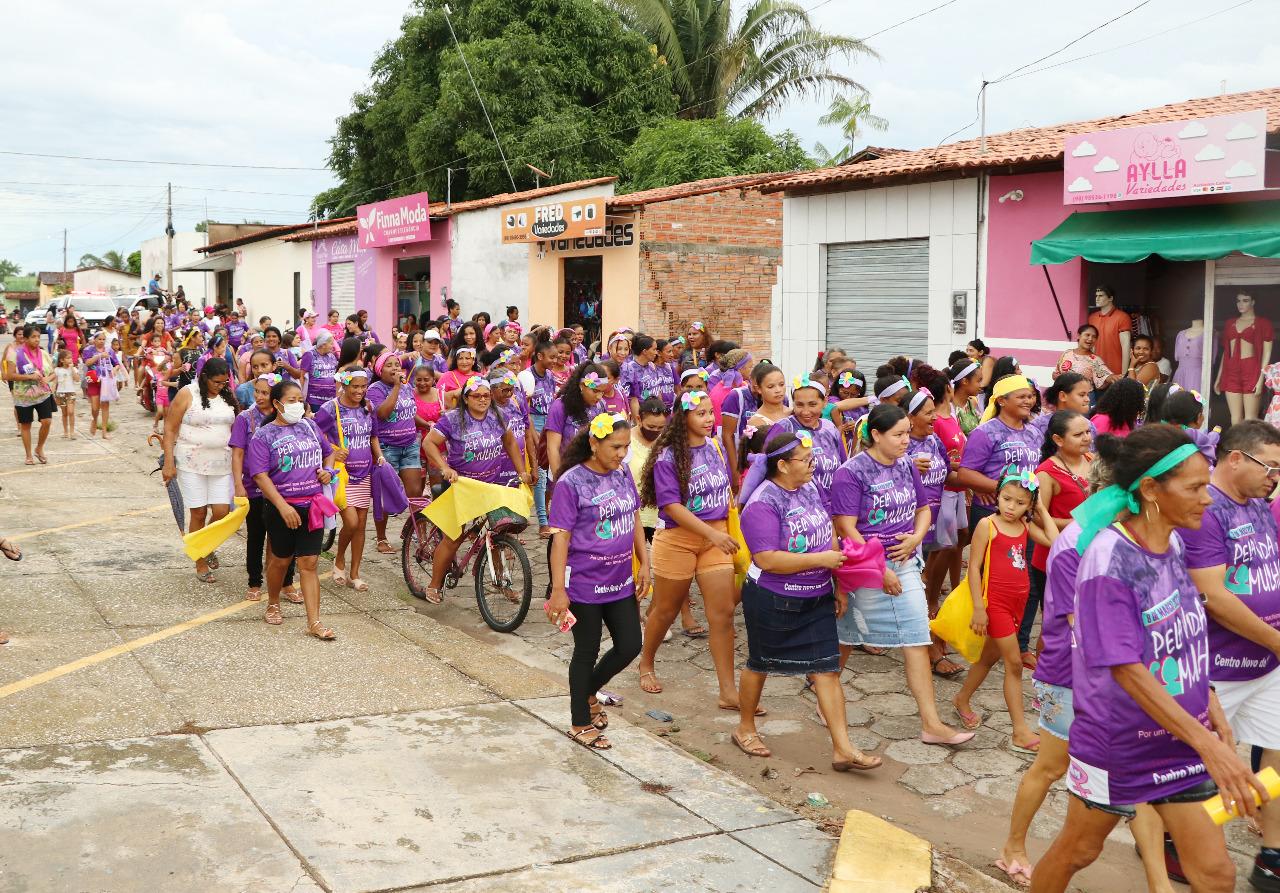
<point x="863" y="566"/>
<point x="321" y="507"/>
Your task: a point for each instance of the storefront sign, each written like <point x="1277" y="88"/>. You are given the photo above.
<point x="1226" y="153"/>
<point x="573" y="219"/>
<point x="397" y="221"/>
<point x="618" y="235"/>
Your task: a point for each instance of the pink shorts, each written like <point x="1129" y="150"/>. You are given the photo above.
<point x="162" y="396"/>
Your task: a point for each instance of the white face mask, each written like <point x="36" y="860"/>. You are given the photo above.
<point x="293" y="413"/>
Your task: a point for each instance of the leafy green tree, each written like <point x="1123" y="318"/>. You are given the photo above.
<point x="111" y="259"/>
<point x="747" y="65"/>
<point x="135" y="263"/>
<point x="677" y="151"/>
<point x="851" y="114"/>
<point x="8" y="268"/>
<point x="566" y="85"/>
<point x="90" y="260"/>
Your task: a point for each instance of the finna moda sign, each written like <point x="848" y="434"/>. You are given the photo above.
<point x="397" y="221"/>
<point x="1199" y="157"/>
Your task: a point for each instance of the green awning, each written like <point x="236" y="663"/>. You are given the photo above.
<point x="1191" y="232"/>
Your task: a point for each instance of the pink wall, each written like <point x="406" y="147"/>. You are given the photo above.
<point x="377" y="292"/>
<point x="1018" y="303"/>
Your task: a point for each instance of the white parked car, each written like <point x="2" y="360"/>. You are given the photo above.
<point x="94" y="308"/>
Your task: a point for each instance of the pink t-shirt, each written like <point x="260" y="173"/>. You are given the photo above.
<point x="1102" y="425"/>
<point x="953" y="438"/>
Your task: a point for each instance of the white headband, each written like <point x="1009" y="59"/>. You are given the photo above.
<point x="917" y="400"/>
<point x="892" y="389"/>
<point x="965" y="373"/>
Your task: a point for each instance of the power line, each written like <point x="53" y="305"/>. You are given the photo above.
<point x="483" y="107"/>
<point x="258" y="167"/>
<point x="1071" y="43"/>
<point x="306" y="195"/>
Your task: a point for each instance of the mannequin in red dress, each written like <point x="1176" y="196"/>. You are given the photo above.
<point x="1246" y="350"/>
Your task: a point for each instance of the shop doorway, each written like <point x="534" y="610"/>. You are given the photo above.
<point x="583" y="298"/>
<point x="413" y="291"/>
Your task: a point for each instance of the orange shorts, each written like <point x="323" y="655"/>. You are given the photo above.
<point x="679" y="554"/>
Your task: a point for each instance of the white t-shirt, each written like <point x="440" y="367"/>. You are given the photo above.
<point x="66" y="379"/>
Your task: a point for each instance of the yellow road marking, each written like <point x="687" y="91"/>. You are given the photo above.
<point x="125" y="647"/>
<point x="31" y="468"/>
<point x="26" y="536"/>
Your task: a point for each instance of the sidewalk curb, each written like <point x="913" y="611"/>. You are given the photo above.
<point x="877" y="857"/>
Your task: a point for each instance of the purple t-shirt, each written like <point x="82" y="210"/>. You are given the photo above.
<point x="883" y="498"/>
<point x="828" y="451"/>
<point x="599" y="511"/>
<point x="544" y="392"/>
<point x="641" y="382"/>
<point x="1241" y="538"/>
<point x="320" y="368"/>
<point x="475" y="448"/>
<point x="290" y="455"/>
<point x="742" y="404"/>
<point x="1053" y="664"/>
<point x="779" y="520"/>
<point x="934" y="479"/>
<point x="567" y="428"/>
<point x="247" y="422"/>
<point x="101" y="361"/>
<point x="399" y="428"/>
<point x="235" y="332"/>
<point x="516" y="412"/>
<point x="993" y="446"/>
<point x="708" y="484"/>
<point x="1134" y="607"/>
<point x="357" y="431"/>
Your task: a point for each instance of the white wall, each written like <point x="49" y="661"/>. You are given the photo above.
<point x="945" y="212"/>
<point x="263" y="277"/>
<point x="198" y="286"/>
<point x="113" y="282"/>
<point x="487" y="275"/>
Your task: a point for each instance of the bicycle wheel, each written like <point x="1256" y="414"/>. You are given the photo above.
<point x="329" y="537"/>
<point x="418" y="543"/>
<point x="505" y="595"/>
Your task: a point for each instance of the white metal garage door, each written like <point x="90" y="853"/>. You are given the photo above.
<point x="878" y="300"/>
<point x="342" y="289"/>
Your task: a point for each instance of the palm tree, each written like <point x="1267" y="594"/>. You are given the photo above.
<point x="747" y="68"/>
<point x="111" y="259"/>
<point x="851" y="114"/>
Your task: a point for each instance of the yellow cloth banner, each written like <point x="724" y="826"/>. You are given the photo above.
<point x="200" y="543"/>
<point x="466" y="500"/>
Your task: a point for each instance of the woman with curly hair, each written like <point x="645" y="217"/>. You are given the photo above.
<point x="1120" y="407"/>
<point x="579" y="402"/>
<point x="687" y="479"/>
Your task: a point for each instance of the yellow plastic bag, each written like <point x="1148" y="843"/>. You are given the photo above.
<point x="468" y="499"/>
<point x="200" y="543"/>
<point x="341" y="477"/>
<point x="952" y="625"/>
<point x="741" y="558"/>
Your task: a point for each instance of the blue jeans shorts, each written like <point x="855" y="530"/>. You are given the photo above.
<point x="402" y="457"/>
<point x="1056" y="711"/>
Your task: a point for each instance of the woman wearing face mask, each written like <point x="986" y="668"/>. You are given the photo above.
<point x="347" y="422"/>
<point x="247" y="422"/>
<point x="197" y="431"/>
<point x="319" y="364"/>
<point x="687" y="479"/>
<point x="827" y="452"/>
<point x="596" y="535"/>
<point x="287" y="458"/>
<point x="396" y="428"/>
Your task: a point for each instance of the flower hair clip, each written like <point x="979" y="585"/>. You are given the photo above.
<point x="593" y="381"/>
<point x="271" y="378"/>
<point x="346" y="377"/>
<point x="805" y="438"/>
<point x="602" y="425"/>
<point x="847" y="378"/>
<point x="697" y="326"/>
<point x="1024" y="478"/>
<point x="474" y="383"/>
<point x="750" y="431"/>
<point x="690" y="399"/>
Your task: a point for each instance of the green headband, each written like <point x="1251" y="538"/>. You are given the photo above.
<point x="1103" y="507"/>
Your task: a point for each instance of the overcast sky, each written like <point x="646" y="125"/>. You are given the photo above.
<point x="257" y="83"/>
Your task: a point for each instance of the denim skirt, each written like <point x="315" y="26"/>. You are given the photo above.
<point x="874" y="617"/>
<point x="789" y="636"/>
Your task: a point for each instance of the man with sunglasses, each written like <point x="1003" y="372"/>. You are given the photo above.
<point x="1234" y="561"/>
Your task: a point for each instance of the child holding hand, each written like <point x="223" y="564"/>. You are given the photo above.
<point x="999" y="604"/>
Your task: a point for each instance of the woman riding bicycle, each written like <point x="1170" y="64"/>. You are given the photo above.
<point x="476" y="444"/>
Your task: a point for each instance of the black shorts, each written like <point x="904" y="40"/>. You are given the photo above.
<point x="289" y="542"/>
<point x="43" y="409"/>
<point x="1197" y="794"/>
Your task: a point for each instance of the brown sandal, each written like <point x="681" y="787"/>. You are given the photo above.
<point x="867" y="763"/>
<point x="751" y="745"/>
<point x="597" y="741"/>
<point x="323" y="633"/>
<point x="655" y="688"/>
<point x="599" y="718"/>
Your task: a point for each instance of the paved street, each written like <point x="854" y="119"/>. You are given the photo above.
<point x="199" y="748"/>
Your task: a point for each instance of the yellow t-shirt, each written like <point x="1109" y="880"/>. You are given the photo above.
<point x="636" y="458"/>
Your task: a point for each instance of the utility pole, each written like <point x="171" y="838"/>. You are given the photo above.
<point x="983" y="113"/>
<point x="168" y="231"/>
<point x="64" y="256"/>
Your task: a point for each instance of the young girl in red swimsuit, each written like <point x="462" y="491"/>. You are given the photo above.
<point x="998" y="605"/>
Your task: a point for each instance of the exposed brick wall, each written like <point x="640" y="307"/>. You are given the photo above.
<point x="711" y="257"/>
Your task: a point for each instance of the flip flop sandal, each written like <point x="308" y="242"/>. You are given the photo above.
<point x="9" y="550"/>
<point x="292" y="596"/>
<point x="31" y="461"/>
<point x="359" y="585"/>
<point x="597" y="741"/>
<point x="746" y="745"/>
<point x="42" y="459"/>
<point x="656" y="685"/>
<point x="388" y="550"/>
<point x="1030" y="750"/>
<point x="206" y="577"/>
<point x="873" y="650"/>
<point x="273" y="615"/>
<point x="970" y="721"/>
<point x="868" y="763"/>
<point x="212" y="560"/>
<point x="760" y="711"/>
<point x="1018" y="874"/>
<point x="253" y="595"/>
<point x="323" y="633"/>
<point x="944" y="674"/>
<point x="698" y="632"/>
<point x="433" y="596"/>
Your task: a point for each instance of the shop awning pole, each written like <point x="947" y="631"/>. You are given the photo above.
<point x="1056" y="303"/>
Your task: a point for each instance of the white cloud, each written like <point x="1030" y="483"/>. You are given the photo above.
<point x="1080" y="184"/>
<point x="1242" y="168"/>
<point x="1106" y="165"/>
<point x="1241" y="131"/>
<point x="1084" y="150"/>
<point x="1211" y="153"/>
<point x="1193" y="130"/>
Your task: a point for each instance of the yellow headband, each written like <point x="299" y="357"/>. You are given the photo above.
<point x="1003" y="388"/>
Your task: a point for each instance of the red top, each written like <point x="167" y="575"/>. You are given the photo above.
<point x="1072" y="491"/>
<point x="1259" y="331"/>
<point x="1006" y="570"/>
<point x="953" y="439"/>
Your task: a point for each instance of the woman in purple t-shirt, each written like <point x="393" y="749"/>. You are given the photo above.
<point x="472" y="442"/>
<point x="596" y="534"/>
<point x="1004" y="438"/>
<point x="579" y="402"/>
<point x="396" y="425"/>
<point x="319" y="364"/>
<point x="687" y="480"/>
<point x="1148" y="727"/>
<point x="878" y="493"/>
<point x="807" y="399"/>
<point x="286" y="459"/>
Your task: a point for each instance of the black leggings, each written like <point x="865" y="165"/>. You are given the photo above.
<point x="256" y="530"/>
<point x="586" y="676"/>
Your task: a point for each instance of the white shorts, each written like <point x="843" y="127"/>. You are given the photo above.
<point x="200" y="490"/>
<point x="1253" y="709"/>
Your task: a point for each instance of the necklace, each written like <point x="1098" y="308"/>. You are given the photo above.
<point x="1080" y="480"/>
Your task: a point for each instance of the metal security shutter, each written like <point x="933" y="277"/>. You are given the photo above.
<point x="342" y="288"/>
<point x="878" y="300"/>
